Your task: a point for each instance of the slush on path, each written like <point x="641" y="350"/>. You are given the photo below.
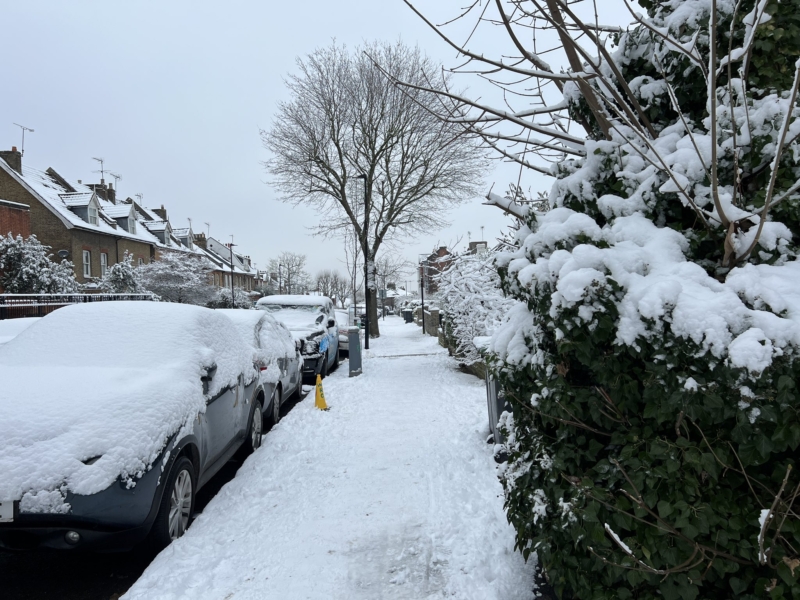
<point x="391" y="494"/>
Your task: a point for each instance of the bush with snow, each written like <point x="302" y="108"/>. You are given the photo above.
<point x="222" y="299"/>
<point x="652" y="358"/>
<point x="472" y="303"/>
<point x="121" y="277"/>
<point x="26" y="267"/>
<point x="178" y="277"/>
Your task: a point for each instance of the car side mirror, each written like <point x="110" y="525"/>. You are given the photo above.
<point x="206" y="379"/>
<point x="331" y="323"/>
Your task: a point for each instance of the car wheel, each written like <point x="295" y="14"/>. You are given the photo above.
<point x="177" y="505"/>
<point x="276" y="405"/>
<point x="254" y="431"/>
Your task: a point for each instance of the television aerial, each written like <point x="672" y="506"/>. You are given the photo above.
<point x="24" y="129"/>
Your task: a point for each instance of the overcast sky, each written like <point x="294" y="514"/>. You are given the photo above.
<point x="172" y="95"/>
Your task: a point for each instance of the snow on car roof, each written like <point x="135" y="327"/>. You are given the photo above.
<point x="296" y="300"/>
<point x="275" y="341"/>
<point x="113" y="380"/>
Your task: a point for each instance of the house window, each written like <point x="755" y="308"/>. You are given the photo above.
<point x="132" y="226"/>
<point x="141" y="262"/>
<point x="92" y="214"/>
<point x="87" y="263"/>
<point x="103" y="264"/>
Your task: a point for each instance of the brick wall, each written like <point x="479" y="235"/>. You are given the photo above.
<point x="14" y="219"/>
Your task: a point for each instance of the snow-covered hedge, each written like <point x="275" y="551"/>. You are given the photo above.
<point x="26" y="267"/>
<point x="652" y="359"/>
<point x="472" y="303"/>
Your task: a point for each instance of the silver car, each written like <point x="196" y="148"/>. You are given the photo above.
<point x="312" y="322"/>
<point x="113" y="415"/>
<point x="276" y="353"/>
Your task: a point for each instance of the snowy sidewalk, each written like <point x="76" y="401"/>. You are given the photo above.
<point x="391" y="494"/>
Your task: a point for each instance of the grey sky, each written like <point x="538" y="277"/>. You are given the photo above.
<point x="172" y="94"/>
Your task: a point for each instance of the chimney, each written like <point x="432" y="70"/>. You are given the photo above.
<point x="13" y="157"/>
<point x="161" y="212"/>
<point x="112" y="195"/>
<point x="200" y="240"/>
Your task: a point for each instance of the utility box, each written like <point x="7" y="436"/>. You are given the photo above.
<point x="497" y="404"/>
<point x="354" y="350"/>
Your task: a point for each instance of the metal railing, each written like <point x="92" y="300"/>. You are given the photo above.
<point x="14" y="306"/>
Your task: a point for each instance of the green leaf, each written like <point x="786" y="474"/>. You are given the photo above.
<point x="737" y="585"/>
<point x="664" y="509"/>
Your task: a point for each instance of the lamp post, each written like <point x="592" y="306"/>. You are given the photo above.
<point x="366" y="263"/>
<point x="233" y="295"/>
<point x="422" y="265"/>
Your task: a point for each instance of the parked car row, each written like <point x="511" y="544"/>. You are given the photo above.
<point x="113" y="415"/>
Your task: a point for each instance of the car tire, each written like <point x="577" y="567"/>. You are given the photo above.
<point x="255" y="431"/>
<point x="277" y="398"/>
<point x="177" y="504"/>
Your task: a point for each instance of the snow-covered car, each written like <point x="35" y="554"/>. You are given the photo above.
<point x="343" y="321"/>
<point x="11" y="328"/>
<point x="113" y="415"/>
<point x="312" y="321"/>
<point x="277" y="355"/>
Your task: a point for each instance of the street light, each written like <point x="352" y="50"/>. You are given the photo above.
<point x="366" y="263"/>
<point x="233" y="295"/>
<point x="422" y="266"/>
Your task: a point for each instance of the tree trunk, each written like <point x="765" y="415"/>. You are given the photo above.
<point x="374" y="331"/>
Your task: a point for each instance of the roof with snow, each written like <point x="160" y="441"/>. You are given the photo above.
<point x="59" y="196"/>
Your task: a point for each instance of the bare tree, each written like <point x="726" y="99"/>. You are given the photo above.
<point x="347" y="121"/>
<point x="391" y="268"/>
<point x="292" y="276"/>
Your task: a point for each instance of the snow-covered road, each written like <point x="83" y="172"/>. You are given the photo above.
<point x="390" y="494"/>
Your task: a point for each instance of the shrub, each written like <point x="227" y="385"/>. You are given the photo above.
<point x="652" y="360"/>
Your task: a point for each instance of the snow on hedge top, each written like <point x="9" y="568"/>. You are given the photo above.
<point x="271" y="341"/>
<point x="737" y="320"/>
<point x="111" y="379"/>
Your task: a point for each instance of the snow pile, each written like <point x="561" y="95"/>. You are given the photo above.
<point x="11" y="328"/>
<point x="119" y="379"/>
<point x="391" y="494"/>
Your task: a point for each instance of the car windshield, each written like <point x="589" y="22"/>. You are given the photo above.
<point x="311" y="308"/>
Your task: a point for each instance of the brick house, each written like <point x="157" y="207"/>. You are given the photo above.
<point x="220" y="255"/>
<point x="430" y="268"/>
<point x="15" y="218"/>
<point x="79" y="222"/>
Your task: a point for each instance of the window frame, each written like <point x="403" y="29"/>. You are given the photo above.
<point x="93" y="218"/>
<point x="103" y="264"/>
<point x="87" y="263"/>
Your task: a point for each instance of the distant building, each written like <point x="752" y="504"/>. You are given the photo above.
<point x="220" y="255"/>
<point x="431" y="267"/>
